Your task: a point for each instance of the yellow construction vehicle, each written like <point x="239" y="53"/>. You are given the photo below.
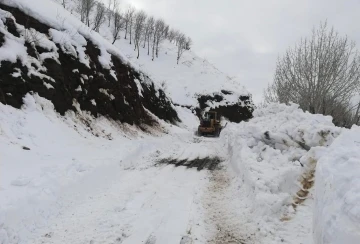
<point x="210" y="124"/>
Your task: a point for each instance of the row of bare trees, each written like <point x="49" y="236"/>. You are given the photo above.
<point x="142" y="30"/>
<point x="322" y="75"/>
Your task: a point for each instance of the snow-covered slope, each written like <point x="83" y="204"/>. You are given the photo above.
<point x="184" y="82"/>
<point x="194" y="82"/>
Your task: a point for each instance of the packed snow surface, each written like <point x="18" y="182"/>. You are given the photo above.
<point x="65" y="182"/>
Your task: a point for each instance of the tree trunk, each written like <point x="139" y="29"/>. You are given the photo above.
<point x="357" y="114"/>
<point x="126" y="30"/>
<point x="157" y="49"/>
<point x="144" y="41"/>
<point x="153" y="48"/>
<point x="130" y="35"/>
<point x="148" y="46"/>
<point x="138" y="47"/>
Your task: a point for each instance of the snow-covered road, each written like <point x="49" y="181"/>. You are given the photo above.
<point x="77" y="186"/>
<point x="132" y="206"/>
<point x="145" y="203"/>
<point x="74" y="187"/>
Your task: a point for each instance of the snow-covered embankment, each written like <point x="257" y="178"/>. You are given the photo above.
<point x="337" y="191"/>
<point x="273" y="162"/>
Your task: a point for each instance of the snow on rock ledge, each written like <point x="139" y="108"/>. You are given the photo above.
<point x="337" y="191"/>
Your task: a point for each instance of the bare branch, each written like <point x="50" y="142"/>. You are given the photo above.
<point x="320" y="74"/>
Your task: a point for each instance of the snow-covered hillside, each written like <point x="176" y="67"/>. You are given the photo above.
<point x="184" y="82"/>
<point x="194" y="82"/>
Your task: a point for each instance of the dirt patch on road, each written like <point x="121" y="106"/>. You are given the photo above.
<point x="209" y="163"/>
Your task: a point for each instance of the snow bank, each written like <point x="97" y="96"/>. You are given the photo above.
<point x="337" y="191"/>
<point x="269" y="155"/>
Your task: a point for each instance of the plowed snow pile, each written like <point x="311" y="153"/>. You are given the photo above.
<point x="337" y="191"/>
<point x="269" y="155"/>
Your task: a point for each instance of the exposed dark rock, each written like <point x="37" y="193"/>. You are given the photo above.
<point x="25" y="20"/>
<point x="11" y="27"/>
<point x="2" y="40"/>
<point x="226" y="92"/>
<point x="14" y="86"/>
<point x="94" y="88"/>
<point x="31" y="50"/>
<point x="158" y="105"/>
<point x="267" y="135"/>
<point x="238" y="112"/>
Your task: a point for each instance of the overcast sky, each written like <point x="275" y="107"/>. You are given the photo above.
<point x="243" y="38"/>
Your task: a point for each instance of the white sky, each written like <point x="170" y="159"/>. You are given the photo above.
<point x="244" y="37"/>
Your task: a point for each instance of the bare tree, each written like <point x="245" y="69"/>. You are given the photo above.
<point x="139" y="25"/>
<point x="147" y="29"/>
<point x="131" y="24"/>
<point x="113" y="7"/>
<point x="176" y="36"/>
<point x="89" y="5"/>
<point x="99" y="18"/>
<point x="128" y="18"/>
<point x="320" y="73"/>
<point x="150" y="26"/>
<point x="181" y="44"/>
<point x="188" y="43"/>
<point x="110" y="12"/>
<point x="63" y="3"/>
<point x="172" y="35"/>
<point x="118" y="25"/>
<point x="80" y="8"/>
<point x="158" y="36"/>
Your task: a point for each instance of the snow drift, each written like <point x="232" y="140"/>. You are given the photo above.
<point x="337" y="191"/>
<point x="270" y="157"/>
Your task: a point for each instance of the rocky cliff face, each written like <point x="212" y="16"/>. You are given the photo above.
<point x="73" y="72"/>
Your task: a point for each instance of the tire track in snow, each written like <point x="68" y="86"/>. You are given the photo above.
<point x="226" y="231"/>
